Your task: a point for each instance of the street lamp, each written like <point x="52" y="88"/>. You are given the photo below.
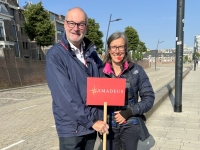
<point x="109" y="26"/>
<point x="157" y="51"/>
<point x="195" y="49"/>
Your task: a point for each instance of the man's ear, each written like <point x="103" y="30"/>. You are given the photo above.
<point x="65" y="24"/>
<point x="86" y="29"/>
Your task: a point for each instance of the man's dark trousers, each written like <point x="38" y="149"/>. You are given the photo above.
<point x="85" y="142"/>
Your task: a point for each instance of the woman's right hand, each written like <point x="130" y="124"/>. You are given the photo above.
<point x="118" y="118"/>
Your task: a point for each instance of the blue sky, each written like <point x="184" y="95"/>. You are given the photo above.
<point x="153" y="19"/>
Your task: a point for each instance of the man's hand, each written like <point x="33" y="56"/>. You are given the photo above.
<point x="101" y="127"/>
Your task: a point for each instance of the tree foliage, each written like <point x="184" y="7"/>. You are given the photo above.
<point x="198" y="55"/>
<point x="185" y="59"/>
<point x="136" y="46"/>
<point x="94" y="34"/>
<point x="38" y="26"/>
<point x="133" y="38"/>
<point x="141" y="47"/>
<point x="140" y="50"/>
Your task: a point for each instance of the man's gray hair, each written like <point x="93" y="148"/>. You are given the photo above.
<point x="86" y="17"/>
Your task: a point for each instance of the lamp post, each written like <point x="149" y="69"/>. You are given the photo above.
<point x="157" y="51"/>
<point x="109" y="26"/>
<point x="180" y="14"/>
<point x="194" y="56"/>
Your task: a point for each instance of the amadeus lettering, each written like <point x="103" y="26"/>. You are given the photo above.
<point x="117" y="91"/>
<point x="109" y="91"/>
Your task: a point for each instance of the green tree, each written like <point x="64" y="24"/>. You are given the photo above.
<point x="141" y="49"/>
<point x="95" y="35"/>
<point x="38" y="26"/>
<point x="185" y="59"/>
<point x="197" y="54"/>
<point x="133" y="38"/>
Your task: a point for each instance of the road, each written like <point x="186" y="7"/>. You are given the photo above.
<point x="26" y="116"/>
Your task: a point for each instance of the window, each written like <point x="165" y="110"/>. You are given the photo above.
<point x="22" y="30"/>
<point x="14" y="31"/>
<point x="1" y="31"/>
<point x="21" y="15"/>
<point x="59" y="32"/>
<point x="12" y="13"/>
<point x="16" y="49"/>
<point x="23" y="45"/>
<point x="60" y="28"/>
<point x="52" y="17"/>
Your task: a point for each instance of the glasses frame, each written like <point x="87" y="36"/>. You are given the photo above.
<point x="118" y="48"/>
<point x="78" y="24"/>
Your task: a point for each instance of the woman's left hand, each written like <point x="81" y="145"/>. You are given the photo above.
<point x="118" y="118"/>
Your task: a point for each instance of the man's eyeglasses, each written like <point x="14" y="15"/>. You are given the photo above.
<point x="120" y="48"/>
<point x="72" y="24"/>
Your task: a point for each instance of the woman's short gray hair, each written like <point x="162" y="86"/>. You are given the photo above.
<point x="114" y="36"/>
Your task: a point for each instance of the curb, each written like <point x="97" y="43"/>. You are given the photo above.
<point x="22" y="87"/>
<point x="162" y="93"/>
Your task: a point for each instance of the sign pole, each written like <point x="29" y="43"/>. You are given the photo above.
<point x="99" y="93"/>
<point x="105" y="120"/>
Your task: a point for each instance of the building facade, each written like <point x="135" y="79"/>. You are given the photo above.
<point x="11" y="31"/>
<point x="58" y="21"/>
<point x="197" y="43"/>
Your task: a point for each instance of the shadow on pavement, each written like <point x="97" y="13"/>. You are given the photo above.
<point x="172" y="99"/>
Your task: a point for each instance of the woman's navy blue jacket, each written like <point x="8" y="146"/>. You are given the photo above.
<point x="141" y="86"/>
<point x="67" y="77"/>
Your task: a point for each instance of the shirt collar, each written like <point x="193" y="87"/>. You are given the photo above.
<point x="74" y="48"/>
<point x="108" y="68"/>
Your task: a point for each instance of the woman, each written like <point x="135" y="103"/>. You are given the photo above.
<point x="123" y="121"/>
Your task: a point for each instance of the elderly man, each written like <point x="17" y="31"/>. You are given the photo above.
<point x="68" y="64"/>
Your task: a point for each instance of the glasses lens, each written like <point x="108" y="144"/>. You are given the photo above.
<point x="120" y="48"/>
<point x="72" y="24"/>
<point x="113" y="48"/>
<point x="81" y="25"/>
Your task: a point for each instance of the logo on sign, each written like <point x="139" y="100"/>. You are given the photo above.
<point x="107" y="91"/>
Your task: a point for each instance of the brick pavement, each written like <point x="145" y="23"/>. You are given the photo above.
<point x="30" y="121"/>
<point x="33" y="127"/>
<point x="178" y="131"/>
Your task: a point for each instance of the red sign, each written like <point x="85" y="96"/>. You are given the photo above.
<point x="110" y="90"/>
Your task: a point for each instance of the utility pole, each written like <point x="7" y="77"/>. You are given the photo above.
<point x="107" y="32"/>
<point x="108" y="28"/>
<point x="179" y="55"/>
<point x="156" y="52"/>
<point x="194" y="55"/>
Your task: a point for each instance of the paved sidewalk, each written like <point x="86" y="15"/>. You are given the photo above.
<point x="177" y="131"/>
<point x="27" y="122"/>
